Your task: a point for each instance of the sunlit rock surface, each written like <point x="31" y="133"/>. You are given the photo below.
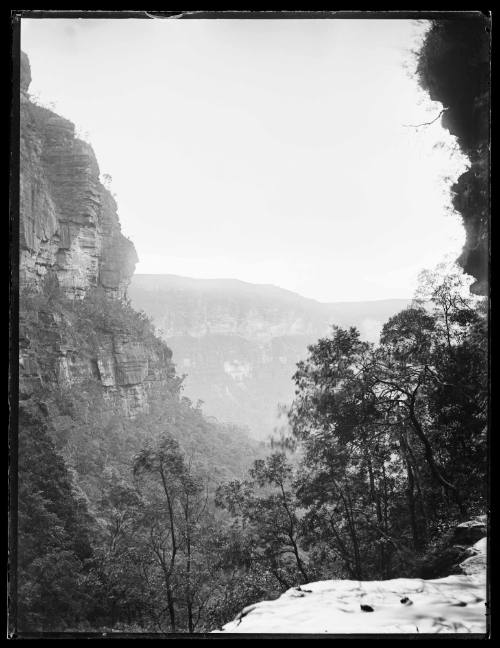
<point x="476" y="563"/>
<point x="451" y="604"/>
<point x="456" y="603"/>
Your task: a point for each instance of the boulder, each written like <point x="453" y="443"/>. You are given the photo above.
<point x="470" y="532"/>
<point x="458" y="552"/>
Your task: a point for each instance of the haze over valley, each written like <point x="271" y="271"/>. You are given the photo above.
<point x="238" y="343"/>
<point x="300" y="445"/>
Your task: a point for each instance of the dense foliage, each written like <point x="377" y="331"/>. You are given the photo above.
<point x="150" y="524"/>
<point x="54" y="552"/>
<point x="392" y="440"/>
<point x="92" y="526"/>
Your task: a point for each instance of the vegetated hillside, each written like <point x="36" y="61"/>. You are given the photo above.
<point x="238" y="343"/>
<point x="77" y="334"/>
<point x="454" y="68"/>
<point x="393" y="466"/>
<point x="135" y="512"/>
<point x="97" y="391"/>
<point x="114" y="388"/>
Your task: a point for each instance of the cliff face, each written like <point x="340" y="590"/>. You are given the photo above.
<point x="68" y="220"/>
<point x="70" y="346"/>
<point x="75" y="266"/>
<point x="454" y="68"/>
<point x="239" y="343"/>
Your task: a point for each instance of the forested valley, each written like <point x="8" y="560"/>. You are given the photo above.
<point x="134" y="529"/>
<point x="134" y="511"/>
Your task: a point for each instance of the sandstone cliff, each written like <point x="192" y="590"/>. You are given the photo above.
<point x="75" y="266"/>
<point x="239" y="342"/>
<point x="68" y="221"/>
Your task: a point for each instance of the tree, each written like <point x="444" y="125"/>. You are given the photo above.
<point x="54" y="550"/>
<point x="173" y="516"/>
<point x="346" y="448"/>
<point x="387" y="432"/>
<point x="267" y="510"/>
<point x="118" y="589"/>
<point x="458" y="394"/>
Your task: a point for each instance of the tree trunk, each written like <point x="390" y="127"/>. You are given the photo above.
<point x="421" y="500"/>
<point x="291" y="535"/>
<point x="189" y="602"/>
<point x="410" y="491"/>
<point x="429" y="455"/>
<point x="355" y="543"/>
<point x="342" y="549"/>
<point x="376" y="499"/>
<point x="171" y="607"/>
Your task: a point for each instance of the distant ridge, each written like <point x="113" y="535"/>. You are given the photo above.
<point x="238" y="343"/>
<point x="147" y="279"/>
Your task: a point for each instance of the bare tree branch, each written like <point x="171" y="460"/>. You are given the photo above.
<point x="425" y="123"/>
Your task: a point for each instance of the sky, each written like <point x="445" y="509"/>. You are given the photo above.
<point x="271" y="151"/>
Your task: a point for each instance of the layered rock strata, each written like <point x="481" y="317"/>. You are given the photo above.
<point x="71" y="246"/>
<point x="68" y="220"/>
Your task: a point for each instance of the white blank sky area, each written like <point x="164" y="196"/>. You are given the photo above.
<point x="272" y="151"/>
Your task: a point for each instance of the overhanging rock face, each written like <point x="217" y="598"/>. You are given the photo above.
<point x="454" y="67"/>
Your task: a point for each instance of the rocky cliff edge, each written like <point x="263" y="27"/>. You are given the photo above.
<point x="69" y="224"/>
<point x="76" y="330"/>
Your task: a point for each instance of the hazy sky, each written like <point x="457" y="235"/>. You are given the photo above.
<point x="272" y="151"/>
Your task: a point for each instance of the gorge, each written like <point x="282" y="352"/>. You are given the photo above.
<point x="238" y="343"/>
<point x="95" y="383"/>
<point x="145" y="495"/>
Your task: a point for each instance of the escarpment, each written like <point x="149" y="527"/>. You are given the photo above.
<point x="76" y="329"/>
<point x="86" y="346"/>
<point x="69" y="225"/>
<point x="239" y="343"/>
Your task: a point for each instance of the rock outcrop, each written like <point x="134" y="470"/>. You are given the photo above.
<point x="75" y="266"/>
<point x="455" y="603"/>
<point x="68" y="220"/>
<point x="454" y="68"/>
<point x="69" y="348"/>
<point x="458" y="550"/>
